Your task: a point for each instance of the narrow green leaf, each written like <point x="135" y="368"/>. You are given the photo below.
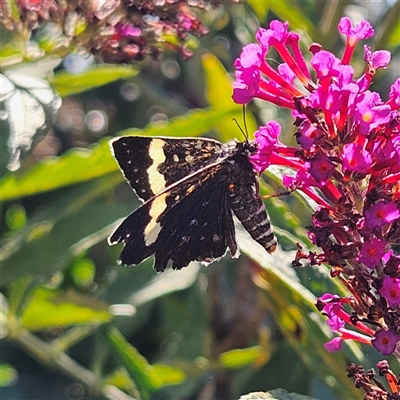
<point x="80" y="165"/>
<point x="165" y="375"/>
<point x="218" y="83"/>
<point x="45" y="310"/>
<point x="76" y="220"/>
<point x="75" y="166"/>
<point x="239" y="358"/>
<point x="136" y="365"/>
<point x="147" y="377"/>
<point x="394" y="36"/>
<point x="121" y="379"/>
<point x="260" y="8"/>
<point x="18" y="291"/>
<point x="67" y="84"/>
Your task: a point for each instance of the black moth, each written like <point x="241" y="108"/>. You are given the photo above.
<point x="189" y="187"/>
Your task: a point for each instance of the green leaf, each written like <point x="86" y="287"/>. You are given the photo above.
<point x="46" y="309"/>
<point x="18" y="291"/>
<point x="75" y="166"/>
<point x="165" y="375"/>
<point x="73" y="222"/>
<point x="260" y="8"/>
<point x="218" y="83"/>
<point x="394" y="36"/>
<point x="146" y="377"/>
<point x="67" y="84"/>
<point x="80" y="165"/>
<point x="136" y="365"/>
<point x="121" y="379"/>
<point x="239" y="358"/>
<point x="8" y="375"/>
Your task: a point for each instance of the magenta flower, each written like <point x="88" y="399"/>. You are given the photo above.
<point x="363" y="30"/>
<point x="381" y="213"/>
<point x="370" y="112"/>
<point x="376" y="59"/>
<point x="371" y="252"/>
<point x="385" y="341"/>
<point x="326" y="65"/>
<point x="355" y="158"/>
<point x="334" y="345"/>
<point x="390" y="290"/>
<point x="308" y="134"/>
<point x="394" y="95"/>
<point x="267" y="140"/>
<point x="320" y="167"/>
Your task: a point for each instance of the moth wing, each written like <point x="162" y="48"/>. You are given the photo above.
<point x="152" y="164"/>
<point x="189" y="221"/>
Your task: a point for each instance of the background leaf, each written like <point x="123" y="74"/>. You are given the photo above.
<point x="67" y="84"/>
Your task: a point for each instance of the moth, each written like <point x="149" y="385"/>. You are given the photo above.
<point x="190" y="189"/>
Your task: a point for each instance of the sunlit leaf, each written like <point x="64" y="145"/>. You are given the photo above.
<point x="15" y="217"/>
<point x="165" y="375"/>
<point x="394" y="36"/>
<point x="260" y="8"/>
<point x="46" y="309"/>
<point x="239" y="358"/>
<point x="136" y="365"/>
<point x="66" y="83"/>
<point x="71" y="224"/>
<point x="146" y="377"/>
<point x="121" y="379"/>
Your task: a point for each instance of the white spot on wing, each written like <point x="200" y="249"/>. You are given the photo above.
<point x="156" y="180"/>
<point x="153" y="228"/>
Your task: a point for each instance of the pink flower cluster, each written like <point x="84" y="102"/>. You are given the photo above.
<point x="347" y="160"/>
<point x="116" y="31"/>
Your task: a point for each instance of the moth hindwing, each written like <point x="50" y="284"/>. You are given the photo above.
<point x="189" y="188"/>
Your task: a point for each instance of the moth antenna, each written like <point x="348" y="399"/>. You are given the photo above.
<point x="240" y="128"/>
<point x="245" y="124"/>
<point x="245" y="131"/>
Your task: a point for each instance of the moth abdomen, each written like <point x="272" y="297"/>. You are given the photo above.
<point x="251" y="212"/>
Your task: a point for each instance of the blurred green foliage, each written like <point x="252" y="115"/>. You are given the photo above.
<point x="91" y="329"/>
